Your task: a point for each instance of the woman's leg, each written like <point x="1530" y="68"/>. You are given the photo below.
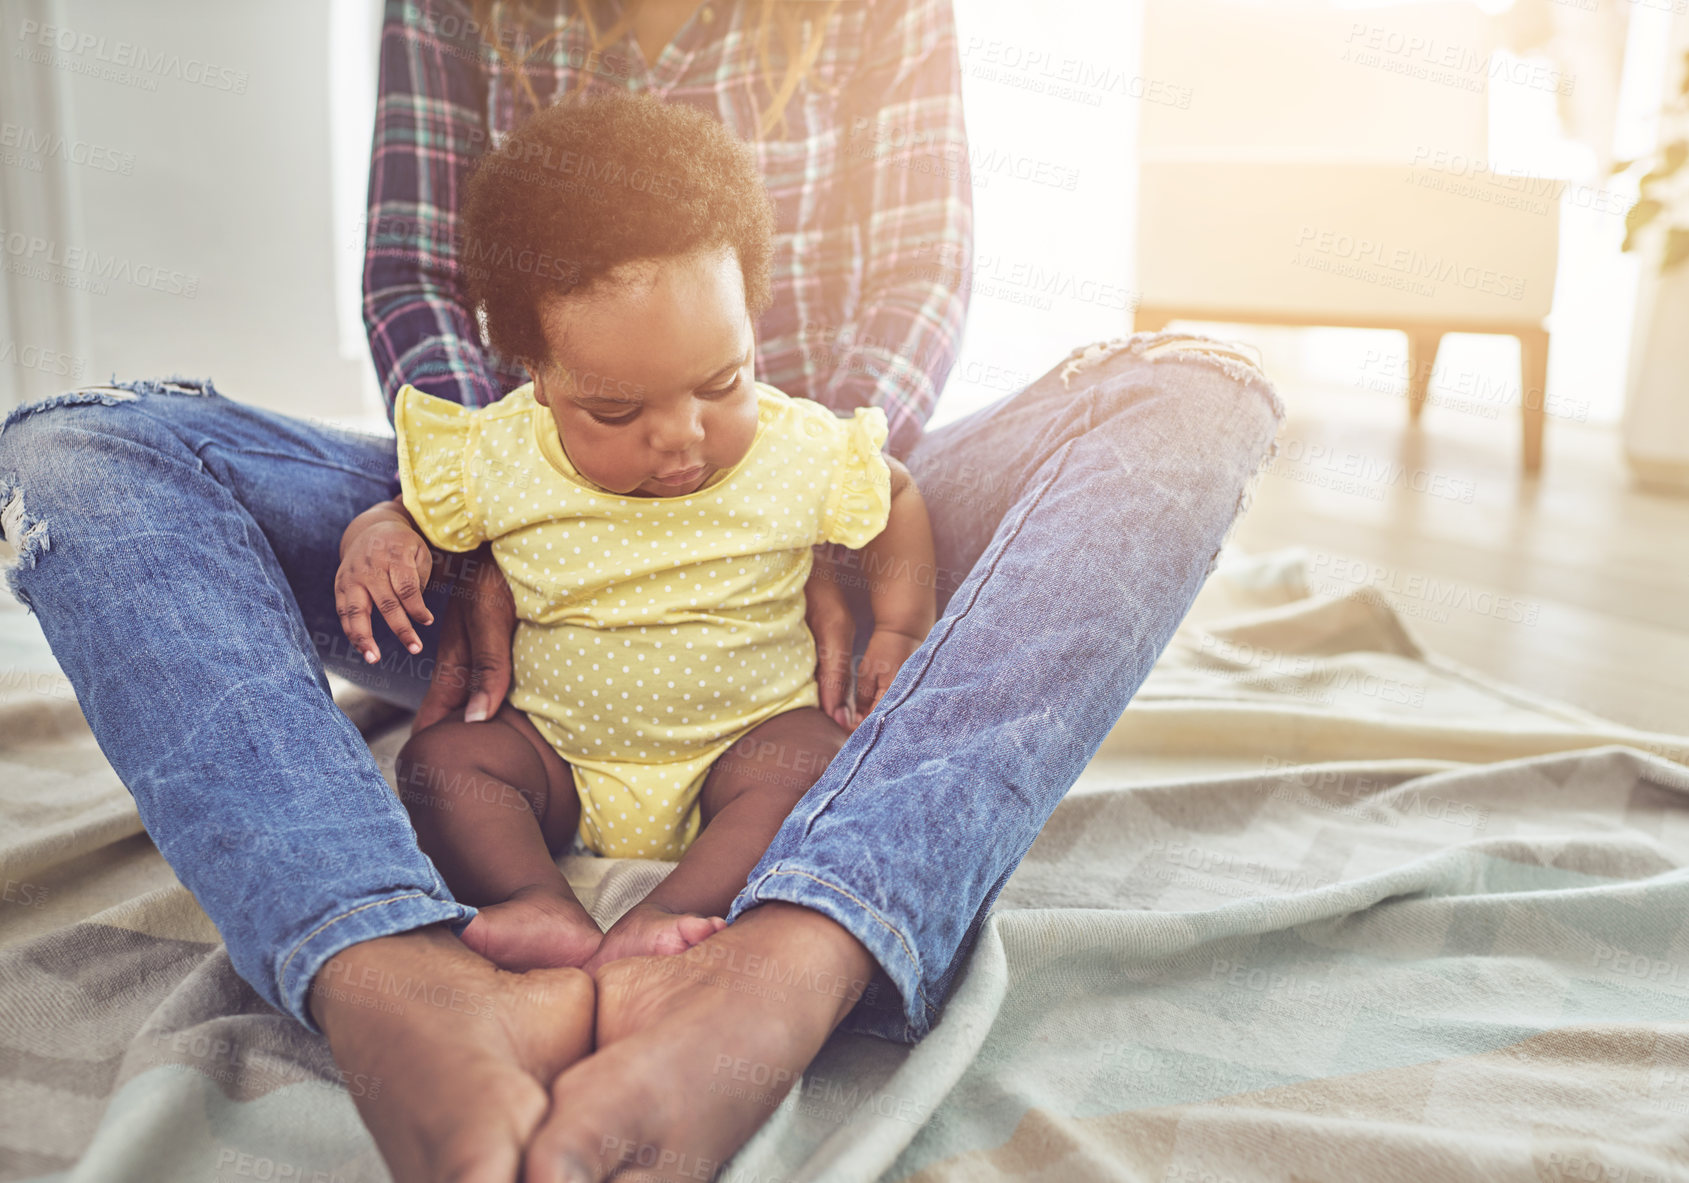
<point x="1074" y="524"/>
<point x="179" y="551"/>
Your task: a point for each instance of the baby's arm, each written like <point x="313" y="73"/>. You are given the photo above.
<point x="902" y="589"/>
<point x="384" y="561"/>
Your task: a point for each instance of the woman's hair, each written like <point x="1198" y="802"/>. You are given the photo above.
<point x="596" y="181"/>
<point x="788" y="15"/>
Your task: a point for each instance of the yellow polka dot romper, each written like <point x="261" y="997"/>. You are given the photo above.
<point x="653" y="632"/>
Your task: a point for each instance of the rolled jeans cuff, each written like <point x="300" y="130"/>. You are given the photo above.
<point x="384" y="917"/>
<point x="893" y="1004"/>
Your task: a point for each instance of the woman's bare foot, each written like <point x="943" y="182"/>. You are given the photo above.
<point x="679" y="1037"/>
<point x="449" y="1053"/>
<point x="651" y="930"/>
<point x="534" y="929"/>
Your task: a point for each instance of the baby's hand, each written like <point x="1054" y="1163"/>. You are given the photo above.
<point x="385" y="564"/>
<point x="884" y="656"/>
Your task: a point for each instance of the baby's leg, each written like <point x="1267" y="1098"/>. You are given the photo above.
<point x="746" y="797"/>
<point x="491" y="802"/>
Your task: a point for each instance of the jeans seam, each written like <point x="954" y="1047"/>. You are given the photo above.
<point x="281" y="973"/>
<point x="199" y="449"/>
<point x="1060" y="458"/>
<point x="293" y="458"/>
<point x="866" y="907"/>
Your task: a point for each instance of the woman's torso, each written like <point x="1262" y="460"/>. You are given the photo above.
<point x="819" y="257"/>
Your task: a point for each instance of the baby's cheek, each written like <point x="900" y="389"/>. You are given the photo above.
<point x="741" y="432"/>
<point x="608" y="466"/>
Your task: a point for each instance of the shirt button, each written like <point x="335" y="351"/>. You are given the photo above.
<point x="706" y="14"/>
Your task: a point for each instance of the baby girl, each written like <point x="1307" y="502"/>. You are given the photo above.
<point x="653" y="508"/>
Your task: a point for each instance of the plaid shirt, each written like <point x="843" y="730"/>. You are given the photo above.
<point x="873" y="240"/>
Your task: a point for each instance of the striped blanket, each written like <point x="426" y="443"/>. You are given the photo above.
<point x="1324" y="907"/>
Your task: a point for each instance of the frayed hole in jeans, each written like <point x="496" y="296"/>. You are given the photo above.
<point x="22" y="541"/>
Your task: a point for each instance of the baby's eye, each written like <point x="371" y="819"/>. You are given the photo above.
<point x="628" y="418"/>
<point x="721" y="390"/>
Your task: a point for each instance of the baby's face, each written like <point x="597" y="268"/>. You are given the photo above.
<point x="654" y="378"/>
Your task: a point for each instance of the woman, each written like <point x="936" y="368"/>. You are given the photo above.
<point x="1074" y="523"/>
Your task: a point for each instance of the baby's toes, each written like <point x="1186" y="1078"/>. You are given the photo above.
<point x="693" y="929"/>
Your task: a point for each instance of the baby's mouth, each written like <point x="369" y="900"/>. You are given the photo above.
<point x="684" y="477"/>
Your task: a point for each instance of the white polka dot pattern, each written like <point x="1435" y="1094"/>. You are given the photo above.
<point x="653" y="632"/>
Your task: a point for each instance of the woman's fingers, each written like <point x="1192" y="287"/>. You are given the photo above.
<point x="491" y="624"/>
<point x="448" y="690"/>
<point x="872" y="678"/>
<point x="827" y="613"/>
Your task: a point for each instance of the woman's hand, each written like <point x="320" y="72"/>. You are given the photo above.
<point x="884" y="656"/>
<point x="472" y="665"/>
<point x="384" y="563"/>
<point x="834" y="629"/>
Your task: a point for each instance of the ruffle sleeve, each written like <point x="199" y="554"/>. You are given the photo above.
<point x="434" y="446"/>
<point x="859" y="497"/>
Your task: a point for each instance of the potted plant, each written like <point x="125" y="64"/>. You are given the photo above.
<point x="1656" y="423"/>
<point x="1662" y="190"/>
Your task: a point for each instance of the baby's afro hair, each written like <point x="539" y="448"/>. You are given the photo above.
<point x="599" y="180"/>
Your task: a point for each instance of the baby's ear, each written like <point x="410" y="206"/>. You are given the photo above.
<point x="539" y="388"/>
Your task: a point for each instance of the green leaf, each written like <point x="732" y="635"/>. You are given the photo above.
<point x="1677" y="248"/>
<point x="1640" y="215"/>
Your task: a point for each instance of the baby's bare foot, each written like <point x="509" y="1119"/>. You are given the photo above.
<point x="534" y="929"/>
<point x="650" y="930"/>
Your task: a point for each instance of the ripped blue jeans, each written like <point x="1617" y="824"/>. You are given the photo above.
<point x="179" y="549"/>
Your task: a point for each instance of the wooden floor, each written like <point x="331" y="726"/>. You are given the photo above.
<point x="1573" y="585"/>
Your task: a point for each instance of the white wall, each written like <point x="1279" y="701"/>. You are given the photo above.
<point x="256" y="195"/>
<point x="1053" y="253"/>
<point x="218" y="117"/>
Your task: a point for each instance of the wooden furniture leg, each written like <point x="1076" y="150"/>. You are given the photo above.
<point x="1149" y="320"/>
<point x="1533" y="392"/>
<point x="1422" y="348"/>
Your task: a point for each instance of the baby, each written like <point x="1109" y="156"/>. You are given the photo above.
<point x="653" y="508"/>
